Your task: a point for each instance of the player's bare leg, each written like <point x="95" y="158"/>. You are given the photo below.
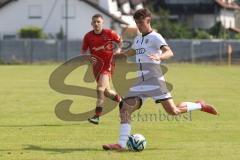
<point x="112" y="94"/>
<point x="128" y="107"/>
<point x="103" y="89"/>
<point x="102" y="84"/>
<point x="183" y="107"/>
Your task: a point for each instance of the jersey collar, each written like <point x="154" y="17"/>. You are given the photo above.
<point x="143" y="35"/>
<point x="98" y="34"/>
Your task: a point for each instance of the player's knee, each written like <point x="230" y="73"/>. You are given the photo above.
<point x="101" y="88"/>
<point x="100" y="91"/>
<point x="130" y="103"/>
<point x="135" y="102"/>
<point x="127" y="107"/>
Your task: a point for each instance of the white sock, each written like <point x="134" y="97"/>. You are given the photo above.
<point x="125" y="130"/>
<point x="193" y="106"/>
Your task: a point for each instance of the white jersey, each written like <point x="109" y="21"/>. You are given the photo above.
<point x="151" y="82"/>
<point x="148" y="44"/>
<point x="145" y="45"/>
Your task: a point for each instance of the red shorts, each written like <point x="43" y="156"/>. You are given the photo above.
<point x="97" y="72"/>
<point x="102" y="67"/>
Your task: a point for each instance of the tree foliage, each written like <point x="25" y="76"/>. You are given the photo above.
<point x="31" y="32"/>
<point x="175" y="29"/>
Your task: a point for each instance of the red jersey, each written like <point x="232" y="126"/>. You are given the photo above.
<point x="101" y="49"/>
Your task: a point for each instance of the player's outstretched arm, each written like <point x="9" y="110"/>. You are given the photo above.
<point x="166" y="54"/>
<point x="128" y="53"/>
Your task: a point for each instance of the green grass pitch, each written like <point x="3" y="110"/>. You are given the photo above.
<point x="30" y="130"/>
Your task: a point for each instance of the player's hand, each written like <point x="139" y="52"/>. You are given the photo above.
<point x="119" y="54"/>
<point x="118" y="51"/>
<point x="154" y="57"/>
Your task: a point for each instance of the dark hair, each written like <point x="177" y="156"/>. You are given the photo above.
<point x="97" y="16"/>
<point x="142" y="13"/>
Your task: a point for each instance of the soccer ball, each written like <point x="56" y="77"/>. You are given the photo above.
<point x="136" y="142"/>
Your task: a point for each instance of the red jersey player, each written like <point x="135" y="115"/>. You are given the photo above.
<point x="100" y="43"/>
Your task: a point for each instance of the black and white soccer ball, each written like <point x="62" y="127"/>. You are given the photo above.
<point x="136" y="142"/>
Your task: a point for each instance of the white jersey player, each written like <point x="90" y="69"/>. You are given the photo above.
<point x="150" y="49"/>
<point x="151" y="82"/>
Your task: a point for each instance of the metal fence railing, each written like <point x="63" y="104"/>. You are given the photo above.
<point x="30" y="51"/>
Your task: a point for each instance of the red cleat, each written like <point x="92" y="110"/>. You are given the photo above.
<point x="207" y="108"/>
<point x="116" y="147"/>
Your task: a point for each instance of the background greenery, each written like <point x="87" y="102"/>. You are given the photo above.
<point x="172" y="29"/>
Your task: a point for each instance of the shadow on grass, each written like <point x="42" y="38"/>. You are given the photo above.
<point x="59" y="150"/>
<point x="40" y="125"/>
<point x="70" y="150"/>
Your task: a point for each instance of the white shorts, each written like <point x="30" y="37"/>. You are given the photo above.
<point x="155" y="88"/>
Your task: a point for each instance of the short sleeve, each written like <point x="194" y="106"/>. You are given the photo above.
<point x="160" y="41"/>
<point x="115" y="37"/>
<point x="85" y="45"/>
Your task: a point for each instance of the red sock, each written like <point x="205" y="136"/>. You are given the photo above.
<point x="98" y="111"/>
